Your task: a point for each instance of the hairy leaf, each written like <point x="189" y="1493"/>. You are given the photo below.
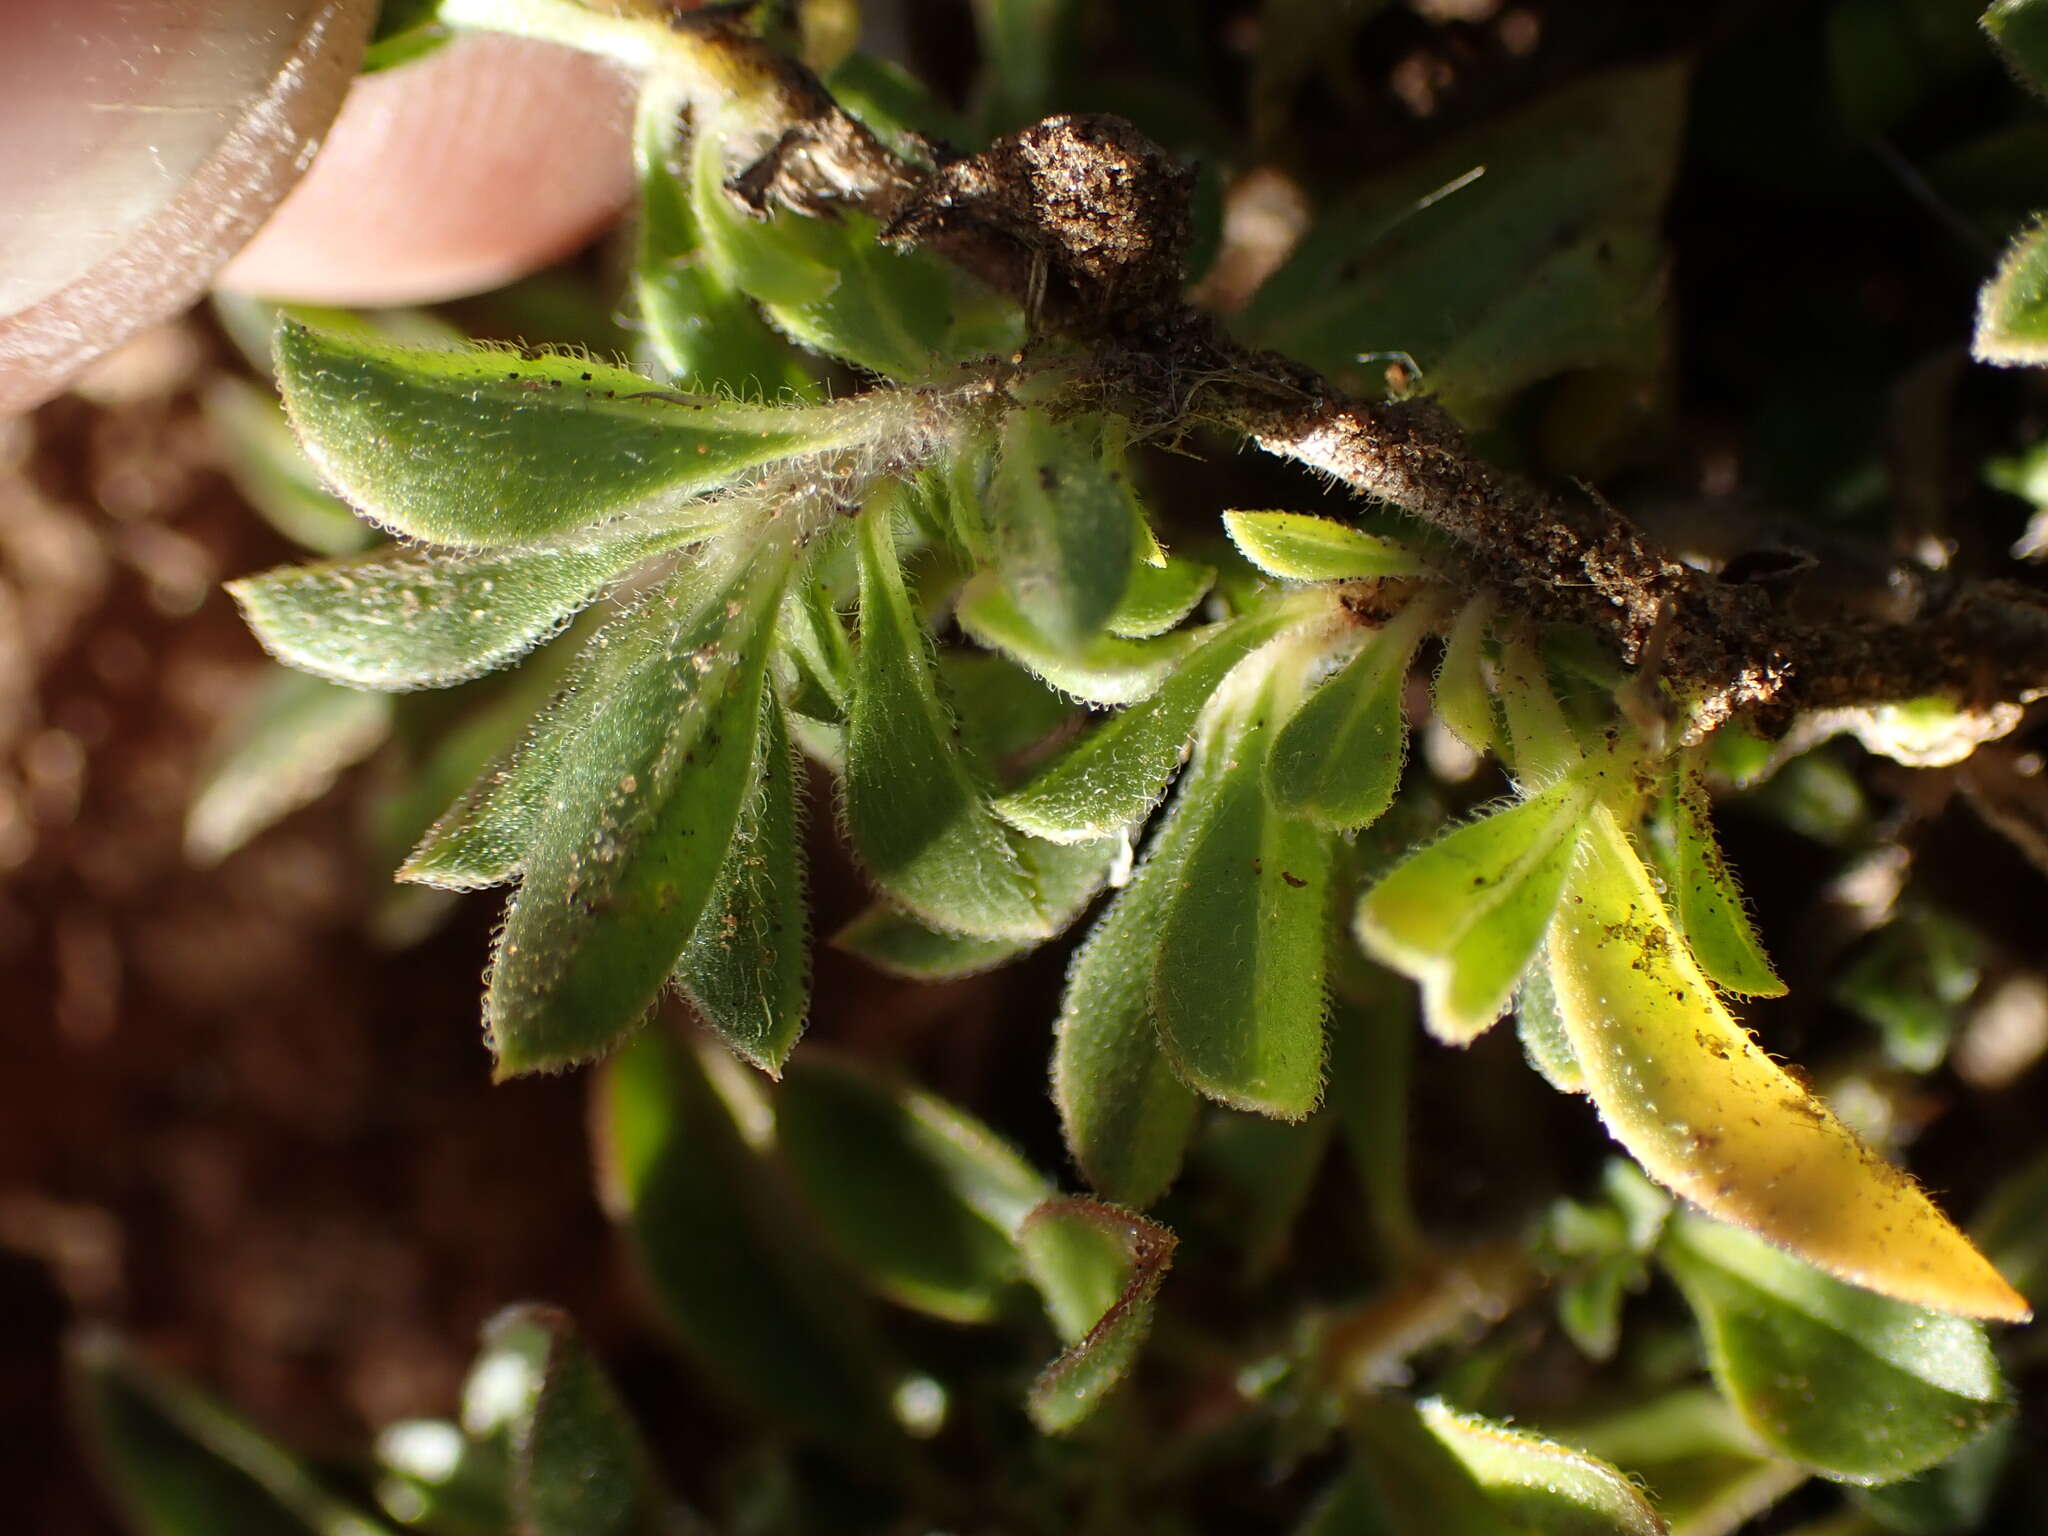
<point x="1238" y="984"/>
<point x="481" y="447"/>
<point x="916" y="812"/>
<point x="1069" y="875"/>
<point x="746" y="970"/>
<point x="1113" y="776"/>
<point x="2020" y="28"/>
<point x="1706" y="1113"/>
<point x="1465" y="915"/>
<point x="1711" y="911"/>
<point x="1099" y="1270"/>
<point x="629" y="848"/>
<point x="1463" y="701"/>
<point x="1104" y="670"/>
<point x="1125" y="1112"/>
<point x="1299" y="547"/>
<point x="419" y="618"/>
<point x="2012" y="310"/>
<point x="1159" y="597"/>
<point x="1338" y="758"/>
<point x="1861" y="1387"/>
<point x="1062" y="521"/>
<point x="1546" y="1487"/>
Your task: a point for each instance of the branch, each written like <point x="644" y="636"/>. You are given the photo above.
<point x="1083" y="220"/>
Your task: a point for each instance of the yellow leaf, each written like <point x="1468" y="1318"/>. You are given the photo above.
<point x="1707" y="1113"/>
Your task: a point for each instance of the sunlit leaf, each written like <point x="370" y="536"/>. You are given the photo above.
<point x="2012" y="309"/>
<point x="916" y="814"/>
<point x="180" y="1465"/>
<point x="1540" y="744"/>
<point x="1540" y="1028"/>
<point x="418" y="618"/>
<point x="1299" y="547"/>
<point x="1686" y="1090"/>
<point x="1465" y="915"/>
<point x="1099" y="1269"/>
<point x="578" y="1465"/>
<point x="1061" y="514"/>
<point x="1159" y="597"/>
<point x="1859" y="1386"/>
<point x="434" y="1477"/>
<point x="1338" y="758"/>
<point x="1403" y="1479"/>
<point x="1463" y="701"/>
<point x="481" y="446"/>
<point x="1104" y="670"/>
<point x="283" y="752"/>
<point x="1548" y="1488"/>
<point x="729" y="1271"/>
<point x="629" y="848"/>
<point x="2020" y="28"/>
<point x="746" y="969"/>
<point x="1114" y="775"/>
<point x="1711" y="911"/>
<point x="1238" y="983"/>
<point x="921" y="1198"/>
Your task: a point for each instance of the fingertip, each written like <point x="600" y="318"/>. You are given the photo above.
<point x="450" y="175"/>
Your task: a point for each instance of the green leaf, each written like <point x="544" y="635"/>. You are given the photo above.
<point x="1705" y="1472"/>
<point x="1238" y="984"/>
<point x="1020" y="47"/>
<point x="746" y="969"/>
<point x="283" y="752"/>
<point x="1709" y="1115"/>
<point x="434" y="1477"/>
<point x="1540" y="744"/>
<point x="482" y="839"/>
<point x="2012" y="309"/>
<point x="1113" y="776"/>
<point x="1338" y="759"/>
<point x="1465" y="915"/>
<point x="180" y="1465"/>
<point x="703" y="332"/>
<point x="1549" y="262"/>
<point x="728" y="1266"/>
<point x="578" y="1465"/>
<point x="1299" y="547"/>
<point x="1069" y="875"/>
<point x="1061" y="514"/>
<point x="1463" y="701"/>
<point x="1099" y="1270"/>
<point x="922" y="1199"/>
<point x="1125" y="1113"/>
<point x="418" y="618"/>
<point x="2020" y="29"/>
<point x="915" y="812"/>
<point x="1159" y="597"/>
<point x="1711" y="911"/>
<point x="1862" y="1388"/>
<point x="481" y="446"/>
<point x="1544" y="1487"/>
<point x="1404" y="1479"/>
<point x="629" y="848"/>
<point x="1105" y="670"/>
<point x="824" y="282"/>
<point x="1541" y="1030"/>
